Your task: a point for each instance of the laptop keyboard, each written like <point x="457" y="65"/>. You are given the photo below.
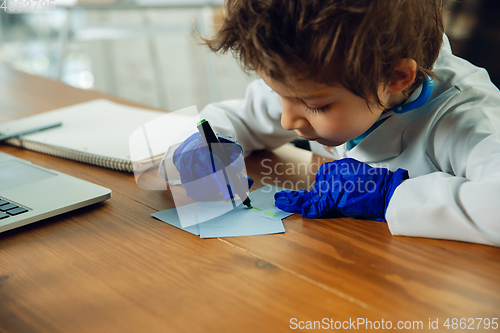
<point x="8" y="209"/>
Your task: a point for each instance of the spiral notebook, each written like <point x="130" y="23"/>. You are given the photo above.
<point x="95" y="132"/>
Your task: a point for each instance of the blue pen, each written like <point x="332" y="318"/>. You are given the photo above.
<point x="29" y="131"/>
<point x="215" y="147"/>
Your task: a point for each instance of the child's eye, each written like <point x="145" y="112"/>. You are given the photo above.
<point x="316" y="110"/>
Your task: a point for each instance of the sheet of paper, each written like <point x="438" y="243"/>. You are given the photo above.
<point x="241" y="221"/>
<point x="170" y="216"/>
<point x="263" y="202"/>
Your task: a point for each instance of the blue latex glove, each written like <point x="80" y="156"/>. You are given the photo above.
<point x="345" y="186"/>
<point x="194" y="163"/>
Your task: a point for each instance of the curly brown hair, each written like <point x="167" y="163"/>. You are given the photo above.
<point x="354" y="43"/>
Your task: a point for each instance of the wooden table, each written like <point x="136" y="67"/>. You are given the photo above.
<point x="112" y="267"/>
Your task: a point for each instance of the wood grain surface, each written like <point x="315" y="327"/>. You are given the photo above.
<point x="111" y="267"/>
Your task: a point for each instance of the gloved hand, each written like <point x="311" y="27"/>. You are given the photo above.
<point x="345" y="186"/>
<point x="194" y="162"/>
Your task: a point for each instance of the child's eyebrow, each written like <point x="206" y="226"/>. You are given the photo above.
<point x="315" y="96"/>
<point x="304" y="97"/>
<point x="310" y="97"/>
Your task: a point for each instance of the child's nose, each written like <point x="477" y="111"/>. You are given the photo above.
<point x="292" y="117"/>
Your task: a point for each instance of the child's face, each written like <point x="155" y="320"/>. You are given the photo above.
<point x="326" y="114"/>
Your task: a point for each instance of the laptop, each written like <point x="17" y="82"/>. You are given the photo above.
<point x="29" y="193"/>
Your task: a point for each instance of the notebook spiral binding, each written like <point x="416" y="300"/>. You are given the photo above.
<point x="74" y="155"/>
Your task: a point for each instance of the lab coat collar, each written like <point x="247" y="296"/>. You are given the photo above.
<point x="386" y="140"/>
<point x="383" y="143"/>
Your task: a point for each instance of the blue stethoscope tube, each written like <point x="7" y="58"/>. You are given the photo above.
<point x="424" y="96"/>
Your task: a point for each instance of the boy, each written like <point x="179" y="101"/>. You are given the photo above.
<point x="369" y="83"/>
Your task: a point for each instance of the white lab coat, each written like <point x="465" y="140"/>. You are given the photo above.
<point x="450" y="146"/>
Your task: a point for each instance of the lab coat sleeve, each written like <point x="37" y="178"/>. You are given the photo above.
<point x="462" y="202"/>
<point x="255" y="121"/>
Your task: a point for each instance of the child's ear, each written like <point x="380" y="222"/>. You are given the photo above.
<point x="405" y="72"/>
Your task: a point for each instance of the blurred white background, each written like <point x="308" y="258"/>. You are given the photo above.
<point x="143" y="53"/>
<point x="141" y="50"/>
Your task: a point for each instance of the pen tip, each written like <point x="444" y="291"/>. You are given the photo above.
<point x="247" y="203"/>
